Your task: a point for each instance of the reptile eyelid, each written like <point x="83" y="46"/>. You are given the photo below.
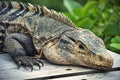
<point x="71" y="38"/>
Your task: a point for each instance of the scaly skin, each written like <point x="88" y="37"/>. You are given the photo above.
<point x="53" y="35"/>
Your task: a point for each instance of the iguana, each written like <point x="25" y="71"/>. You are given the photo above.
<point x="27" y="31"/>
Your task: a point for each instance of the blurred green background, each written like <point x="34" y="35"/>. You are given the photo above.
<point x="100" y="16"/>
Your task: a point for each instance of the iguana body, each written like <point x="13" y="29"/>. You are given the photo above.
<point x="52" y="34"/>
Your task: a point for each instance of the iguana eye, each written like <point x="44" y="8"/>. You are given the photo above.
<point x="81" y="47"/>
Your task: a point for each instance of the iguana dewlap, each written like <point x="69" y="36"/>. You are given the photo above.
<point x="26" y="31"/>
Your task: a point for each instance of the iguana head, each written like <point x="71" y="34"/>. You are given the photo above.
<point x="79" y="47"/>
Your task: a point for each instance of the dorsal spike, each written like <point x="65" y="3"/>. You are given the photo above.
<point x="38" y="10"/>
<point x="46" y="11"/>
<point x="15" y="5"/>
<point x="19" y="6"/>
<point x="31" y="7"/>
<point x="22" y="7"/>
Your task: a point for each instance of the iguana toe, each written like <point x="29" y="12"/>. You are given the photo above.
<point x="28" y="61"/>
<point x="38" y="60"/>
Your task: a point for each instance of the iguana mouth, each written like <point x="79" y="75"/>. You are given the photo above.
<point x="97" y="61"/>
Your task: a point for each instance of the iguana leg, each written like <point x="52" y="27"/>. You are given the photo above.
<point x="22" y="50"/>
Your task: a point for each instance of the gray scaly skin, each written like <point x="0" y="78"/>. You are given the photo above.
<point x="50" y="34"/>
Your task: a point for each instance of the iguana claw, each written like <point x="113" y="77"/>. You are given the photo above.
<point x="28" y="61"/>
<point x="35" y="58"/>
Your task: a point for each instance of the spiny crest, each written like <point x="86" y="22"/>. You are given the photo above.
<point x="17" y="5"/>
<point x="37" y="10"/>
<point x="31" y="7"/>
<point x="58" y="16"/>
<point x="52" y="13"/>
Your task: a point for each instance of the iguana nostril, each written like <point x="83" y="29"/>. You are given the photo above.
<point x="101" y="58"/>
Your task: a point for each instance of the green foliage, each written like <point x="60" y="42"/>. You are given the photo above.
<point x="115" y="43"/>
<point x="70" y="7"/>
<point x="100" y="16"/>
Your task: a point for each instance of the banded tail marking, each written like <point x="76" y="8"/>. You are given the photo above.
<point x="7" y="9"/>
<point x="16" y="9"/>
<point x="10" y="11"/>
<point x="3" y="5"/>
<point x="19" y="10"/>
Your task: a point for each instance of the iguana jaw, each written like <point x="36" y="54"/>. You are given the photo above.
<point x="57" y="55"/>
<point x="79" y="47"/>
<point x="99" y="62"/>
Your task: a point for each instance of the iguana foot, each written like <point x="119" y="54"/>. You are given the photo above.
<point x="21" y="49"/>
<point x="28" y="61"/>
